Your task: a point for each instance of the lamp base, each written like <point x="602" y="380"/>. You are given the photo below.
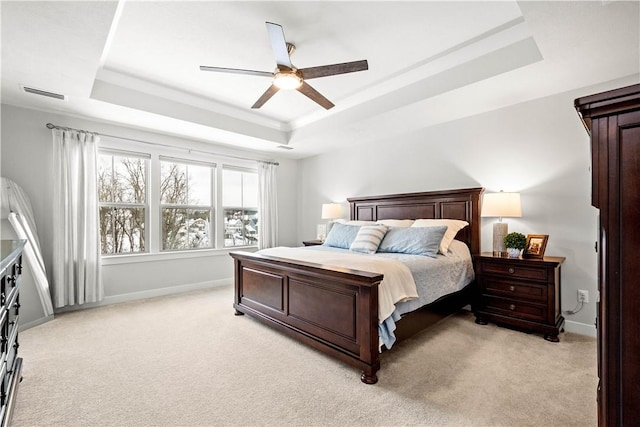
<point x="500" y="229"/>
<point x="321" y="232"/>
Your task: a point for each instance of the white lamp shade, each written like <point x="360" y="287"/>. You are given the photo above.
<point x="501" y="205"/>
<point x="331" y="211"/>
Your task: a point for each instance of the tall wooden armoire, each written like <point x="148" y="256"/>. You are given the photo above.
<point x="613" y="121"/>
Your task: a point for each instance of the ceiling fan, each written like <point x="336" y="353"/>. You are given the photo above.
<point x="287" y="76"/>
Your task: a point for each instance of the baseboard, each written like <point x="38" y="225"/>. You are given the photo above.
<point x="165" y="291"/>
<point x="40" y="321"/>
<point x="580" y="328"/>
<point x="151" y="293"/>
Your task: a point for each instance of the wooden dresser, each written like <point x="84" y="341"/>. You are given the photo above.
<point x="10" y="363"/>
<point x="523" y="293"/>
<point x="613" y="122"/>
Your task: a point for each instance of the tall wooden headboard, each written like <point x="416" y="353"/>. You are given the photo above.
<point x="463" y="204"/>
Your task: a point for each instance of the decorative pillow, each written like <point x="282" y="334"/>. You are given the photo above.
<point x="368" y="238"/>
<point x="341" y="235"/>
<point x="396" y="222"/>
<point x="413" y="240"/>
<point x="453" y="226"/>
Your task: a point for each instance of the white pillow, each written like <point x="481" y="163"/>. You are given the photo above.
<point x="396" y="222"/>
<point x="368" y="239"/>
<point x="453" y="226"/>
<point x="459" y="249"/>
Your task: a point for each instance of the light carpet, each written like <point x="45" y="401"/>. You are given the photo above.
<point x="186" y="360"/>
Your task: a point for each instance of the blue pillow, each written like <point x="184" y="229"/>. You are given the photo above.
<point x="341" y="235"/>
<point x="413" y="240"/>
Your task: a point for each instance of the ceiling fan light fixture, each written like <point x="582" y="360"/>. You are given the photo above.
<point x="287" y="76"/>
<point x="287" y="80"/>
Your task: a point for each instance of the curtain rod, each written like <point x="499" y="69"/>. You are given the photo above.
<point x="52" y="126"/>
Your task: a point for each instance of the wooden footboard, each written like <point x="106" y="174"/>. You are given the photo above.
<point x="335" y="310"/>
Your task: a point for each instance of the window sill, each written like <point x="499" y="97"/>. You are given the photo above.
<point x="164" y="256"/>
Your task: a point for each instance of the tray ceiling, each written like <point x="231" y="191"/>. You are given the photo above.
<point x="137" y="63"/>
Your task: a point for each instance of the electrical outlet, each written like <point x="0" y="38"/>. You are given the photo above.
<point x="583" y="296"/>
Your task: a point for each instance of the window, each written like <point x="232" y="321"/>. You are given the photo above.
<point x="240" y="204"/>
<point x="162" y="199"/>
<point x="186" y="204"/>
<point x="122" y="198"/>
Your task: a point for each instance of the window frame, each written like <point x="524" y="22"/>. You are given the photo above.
<point x="243" y="208"/>
<point x="120" y="205"/>
<point x="211" y="207"/>
<point x="179" y="151"/>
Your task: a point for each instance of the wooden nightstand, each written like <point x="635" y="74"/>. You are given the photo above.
<point x="312" y="242"/>
<point x="524" y="293"/>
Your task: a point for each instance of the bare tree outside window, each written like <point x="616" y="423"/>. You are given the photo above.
<point x="122" y="201"/>
<point x="186" y="205"/>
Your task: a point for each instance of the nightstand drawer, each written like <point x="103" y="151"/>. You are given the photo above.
<point x="511" y="270"/>
<point x="514" y="308"/>
<point x="512" y="289"/>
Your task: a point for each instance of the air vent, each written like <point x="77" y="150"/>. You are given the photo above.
<point x="285" y="147"/>
<point x="43" y="93"/>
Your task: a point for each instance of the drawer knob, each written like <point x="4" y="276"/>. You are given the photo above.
<point x="511" y="270"/>
<point x="512" y="307"/>
<point x="512" y="288"/>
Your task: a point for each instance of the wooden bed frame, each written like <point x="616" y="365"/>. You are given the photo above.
<point x="335" y="310"/>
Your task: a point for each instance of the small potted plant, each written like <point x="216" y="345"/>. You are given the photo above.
<point x="515" y="243"/>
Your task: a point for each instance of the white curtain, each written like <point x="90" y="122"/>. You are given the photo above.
<point x="16" y="206"/>
<point x="76" y="241"/>
<point x="267" y="205"/>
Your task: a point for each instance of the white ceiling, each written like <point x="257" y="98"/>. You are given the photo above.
<point x="137" y="63"/>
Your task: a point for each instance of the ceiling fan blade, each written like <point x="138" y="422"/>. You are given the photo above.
<point x="333" y="69"/>
<point x="236" y="71"/>
<point x="266" y="96"/>
<point x="279" y="44"/>
<point x="315" y="96"/>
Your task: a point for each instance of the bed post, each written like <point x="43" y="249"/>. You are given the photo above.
<point x="369" y="348"/>
<point x="237" y="269"/>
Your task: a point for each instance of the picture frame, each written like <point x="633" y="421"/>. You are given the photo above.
<point x="535" y="246"/>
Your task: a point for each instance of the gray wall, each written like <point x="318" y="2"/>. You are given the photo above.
<point x="537" y="148"/>
<point x="27" y="157"/>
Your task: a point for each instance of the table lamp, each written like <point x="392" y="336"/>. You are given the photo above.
<point x="501" y="205"/>
<point x="330" y="211"/>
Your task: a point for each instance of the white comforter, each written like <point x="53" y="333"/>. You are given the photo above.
<point x="396" y="286"/>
